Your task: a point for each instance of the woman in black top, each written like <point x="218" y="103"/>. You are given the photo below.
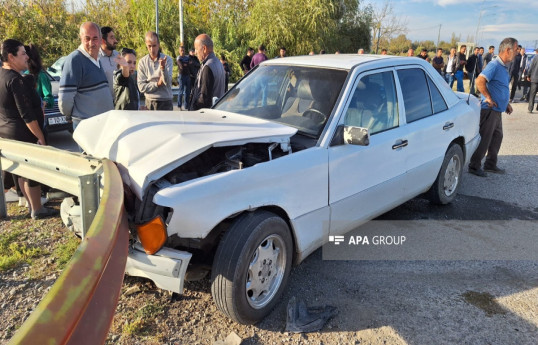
<point x="21" y="114"/>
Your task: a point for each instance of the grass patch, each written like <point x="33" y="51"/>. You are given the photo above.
<point x="64" y="252"/>
<point x="13" y="251"/>
<point x="144" y="319"/>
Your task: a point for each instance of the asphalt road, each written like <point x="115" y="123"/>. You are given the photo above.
<point x="435" y="301"/>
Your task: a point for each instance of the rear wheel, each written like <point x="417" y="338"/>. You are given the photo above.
<point x="251" y="266"/>
<point x="446" y="186"/>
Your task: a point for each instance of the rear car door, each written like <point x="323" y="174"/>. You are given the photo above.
<point x="430" y="127"/>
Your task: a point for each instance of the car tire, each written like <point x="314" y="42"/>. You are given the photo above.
<point x="245" y="287"/>
<point x="446" y="186"/>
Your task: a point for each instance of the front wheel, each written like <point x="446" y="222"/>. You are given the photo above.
<point x="251" y="266"/>
<point x="445" y="188"/>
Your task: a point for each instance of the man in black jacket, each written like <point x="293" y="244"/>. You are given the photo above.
<point x="514" y="73"/>
<point x="211" y="78"/>
<point x="472" y="69"/>
<point x="532" y="76"/>
<point x="245" y="63"/>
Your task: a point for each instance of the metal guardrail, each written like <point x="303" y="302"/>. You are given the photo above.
<point x="80" y="305"/>
<point x="71" y="172"/>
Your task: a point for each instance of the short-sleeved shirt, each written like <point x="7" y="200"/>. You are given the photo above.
<point x="498" y="79"/>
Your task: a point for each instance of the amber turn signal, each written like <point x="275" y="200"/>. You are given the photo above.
<point x="152" y="235"/>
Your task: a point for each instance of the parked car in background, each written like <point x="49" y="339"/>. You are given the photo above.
<point x="55" y="70"/>
<point x="299" y="149"/>
<point x="54" y="120"/>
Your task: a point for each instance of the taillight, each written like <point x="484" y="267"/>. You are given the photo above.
<point x="152" y="235"/>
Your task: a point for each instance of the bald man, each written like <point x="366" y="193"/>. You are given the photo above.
<point x="155" y="75"/>
<point x="84" y="90"/>
<point x="211" y="78"/>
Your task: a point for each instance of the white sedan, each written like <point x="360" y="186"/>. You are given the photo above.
<point x="299" y="149"/>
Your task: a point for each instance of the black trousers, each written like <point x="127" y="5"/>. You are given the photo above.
<point x="491" y="131"/>
<point x="159" y="105"/>
<point x="515" y="80"/>
<point x="532" y="95"/>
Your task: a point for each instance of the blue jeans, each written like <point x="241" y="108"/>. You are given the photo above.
<point x="449" y="77"/>
<point x="459" y="77"/>
<point x="184" y="90"/>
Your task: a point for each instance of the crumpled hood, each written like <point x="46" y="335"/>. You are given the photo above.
<point x="150" y="144"/>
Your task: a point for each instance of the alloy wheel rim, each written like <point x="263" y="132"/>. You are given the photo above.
<point x="265" y="271"/>
<point x="452" y="175"/>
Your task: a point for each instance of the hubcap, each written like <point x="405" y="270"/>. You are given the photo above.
<point x="452" y="175"/>
<point x="265" y="271"/>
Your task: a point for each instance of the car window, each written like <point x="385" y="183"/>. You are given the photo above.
<point x="302" y="97"/>
<point x="438" y="101"/>
<point x="374" y="104"/>
<point x="416" y="96"/>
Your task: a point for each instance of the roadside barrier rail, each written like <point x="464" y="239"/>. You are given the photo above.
<point x="80" y="305"/>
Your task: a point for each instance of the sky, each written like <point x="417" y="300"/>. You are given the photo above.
<point x="498" y="19"/>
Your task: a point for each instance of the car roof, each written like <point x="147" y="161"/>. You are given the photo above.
<point x="339" y="61"/>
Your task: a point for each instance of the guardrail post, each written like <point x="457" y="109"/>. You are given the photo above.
<point x="3" y="209"/>
<point x="89" y="200"/>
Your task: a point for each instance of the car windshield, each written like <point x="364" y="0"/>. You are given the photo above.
<point x="302" y="97"/>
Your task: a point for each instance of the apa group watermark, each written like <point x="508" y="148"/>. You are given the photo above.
<point x="435" y="240"/>
<point x="378" y="240"/>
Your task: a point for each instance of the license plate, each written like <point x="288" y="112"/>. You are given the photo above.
<point x="57" y="120"/>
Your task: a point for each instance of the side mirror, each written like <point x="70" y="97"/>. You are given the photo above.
<point x="356" y="136"/>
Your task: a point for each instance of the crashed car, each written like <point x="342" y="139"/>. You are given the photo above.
<point x="299" y="149"/>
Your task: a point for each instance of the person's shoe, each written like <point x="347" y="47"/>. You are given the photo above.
<point x="23" y="202"/>
<point x="495" y="170"/>
<point x="44" y="213"/>
<point x="11" y="195"/>
<point x="522" y="99"/>
<point x="529" y="111"/>
<point x="477" y="172"/>
<point x="512" y="100"/>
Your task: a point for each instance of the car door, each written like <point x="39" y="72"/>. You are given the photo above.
<point x="430" y="126"/>
<point x="366" y="180"/>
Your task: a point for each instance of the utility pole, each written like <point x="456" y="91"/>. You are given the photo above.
<point x="157" y="16"/>
<point x="439" y="35"/>
<point x="378" y="36"/>
<point x="181" y="22"/>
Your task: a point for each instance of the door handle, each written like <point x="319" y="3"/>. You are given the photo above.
<point x="448" y="125"/>
<point x="400" y="145"/>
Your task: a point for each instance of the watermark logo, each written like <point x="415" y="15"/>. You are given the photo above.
<point x="336" y="239"/>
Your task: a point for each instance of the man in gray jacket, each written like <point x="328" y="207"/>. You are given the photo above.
<point x="211" y="77"/>
<point x="155" y="75"/>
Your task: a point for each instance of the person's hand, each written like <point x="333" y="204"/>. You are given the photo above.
<point x="491" y="103"/>
<point x="161" y="81"/>
<point x="120" y="60"/>
<point x="509" y="109"/>
<point x="41" y="142"/>
<point x="162" y="62"/>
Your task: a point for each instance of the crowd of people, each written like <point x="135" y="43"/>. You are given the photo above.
<point x="97" y="71"/>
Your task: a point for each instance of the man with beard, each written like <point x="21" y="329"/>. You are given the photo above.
<point x="108" y="55"/>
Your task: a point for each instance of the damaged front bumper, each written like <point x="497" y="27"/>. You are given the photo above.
<point x="166" y="268"/>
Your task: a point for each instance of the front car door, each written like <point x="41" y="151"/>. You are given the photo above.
<point x="367" y="180"/>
